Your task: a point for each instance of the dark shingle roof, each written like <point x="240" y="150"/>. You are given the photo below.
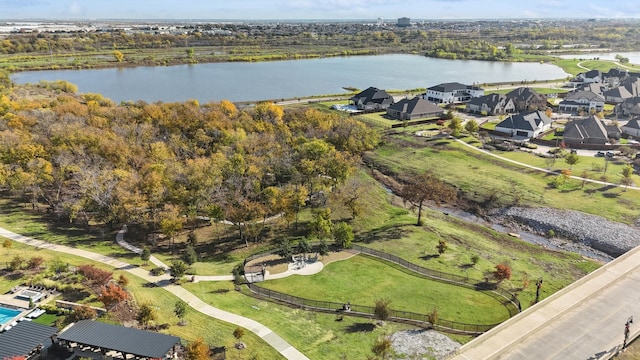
<point x="23" y="338"/>
<point x="591" y="96"/>
<point x="524" y="94"/>
<point x="620" y="92"/>
<point x="532" y="121"/>
<point x="451" y="87"/>
<point x="417" y="105"/>
<point x="372" y="94"/>
<point x="491" y="100"/>
<point x="590" y="127"/>
<point x="633" y="124"/>
<point x="113" y="337"/>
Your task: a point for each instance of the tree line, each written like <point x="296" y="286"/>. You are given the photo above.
<point x="85" y="159"/>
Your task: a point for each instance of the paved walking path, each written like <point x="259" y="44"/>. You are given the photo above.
<point x="163" y="281"/>
<point x="543" y="170"/>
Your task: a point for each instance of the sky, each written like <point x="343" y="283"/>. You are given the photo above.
<point x="316" y="9"/>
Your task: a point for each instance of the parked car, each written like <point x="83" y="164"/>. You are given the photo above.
<point x="600" y="154"/>
<point x="610" y="154"/>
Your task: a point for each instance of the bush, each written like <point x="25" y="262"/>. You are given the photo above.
<point x="238" y="333"/>
<point x="502" y="272"/>
<point x="157" y="271"/>
<point x="382" y="309"/>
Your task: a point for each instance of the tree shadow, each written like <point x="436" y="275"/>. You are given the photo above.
<point x="394" y="232"/>
<point x="429" y="257"/>
<point x="360" y="327"/>
<point x="610" y="195"/>
<point x="465" y="266"/>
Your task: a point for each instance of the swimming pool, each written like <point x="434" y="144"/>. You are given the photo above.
<point x="7" y="314"/>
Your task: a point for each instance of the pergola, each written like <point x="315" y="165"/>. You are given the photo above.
<point x="138" y="344"/>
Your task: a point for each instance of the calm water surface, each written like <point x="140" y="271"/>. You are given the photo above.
<point x="287" y="79"/>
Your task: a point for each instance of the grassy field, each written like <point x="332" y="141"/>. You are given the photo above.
<point x="362" y="280"/>
<point x="317" y="335"/>
<point x="497" y="183"/>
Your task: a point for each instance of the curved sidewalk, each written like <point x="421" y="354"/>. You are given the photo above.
<point x="163" y="281"/>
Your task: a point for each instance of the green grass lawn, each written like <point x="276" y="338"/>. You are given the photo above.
<point x="46" y="319"/>
<point x="317" y="335"/>
<point x="502" y="183"/>
<point x="362" y="280"/>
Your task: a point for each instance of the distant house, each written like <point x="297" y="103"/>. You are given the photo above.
<point x="617" y="95"/>
<point x="629" y="107"/>
<point x="409" y="109"/>
<point x="372" y="99"/>
<point x="590" y="130"/>
<point x="527" y="124"/>
<point x="595" y="88"/>
<point x="591" y="76"/>
<point x="578" y="101"/>
<point x="492" y="104"/>
<point x="452" y="93"/>
<point x="632" y="128"/>
<point x="632" y="84"/>
<point x="527" y="99"/>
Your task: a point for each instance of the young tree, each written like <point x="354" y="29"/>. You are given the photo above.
<point x="145" y="255"/>
<point x="382" y="310"/>
<point x="197" y="350"/>
<point x="323" y="247"/>
<point x="284" y="248"/>
<point x="382" y="347"/>
<point x="572" y="159"/>
<point x="343" y="234"/>
<point x="303" y="246"/>
<point x="189" y="255"/>
<point x="426" y="187"/>
<point x="7" y="244"/>
<point x="471" y="126"/>
<point x="178" y="269"/>
<point x="442" y="247"/>
<point x="35" y="262"/>
<point x="180" y="310"/>
<point x="502" y="272"/>
<point x="627" y="171"/>
<point x="82" y="312"/>
<point x="123" y="280"/>
<point x="455" y="125"/>
<point x="146" y="314"/>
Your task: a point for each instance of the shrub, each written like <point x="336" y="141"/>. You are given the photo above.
<point x="433" y="316"/>
<point x="474" y="259"/>
<point x="382" y="310"/>
<point x="551" y="233"/>
<point x="502" y="272"/>
<point x="157" y="271"/>
<point x="442" y="247"/>
<point x="94" y="274"/>
<point x="238" y="333"/>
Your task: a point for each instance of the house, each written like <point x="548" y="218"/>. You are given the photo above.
<point x="372" y="99"/>
<point x="526" y="99"/>
<point x="632" y="128"/>
<point x="492" y="104"/>
<point x="632" y="84"/>
<point x="409" y="109"/>
<point x="452" y="93"/>
<point x="629" y="107"/>
<point x="617" y="95"/>
<point x="590" y="130"/>
<point x="527" y="124"/>
<point x="578" y="101"/>
<point x="595" y="88"/>
<point x="591" y="76"/>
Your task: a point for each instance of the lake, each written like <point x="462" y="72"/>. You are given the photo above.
<point x="287" y="79"/>
<point x="634" y="56"/>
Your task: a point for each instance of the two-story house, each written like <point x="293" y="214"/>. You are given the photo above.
<point x="452" y="93"/>
<point x="527" y="99"/>
<point x="578" y="101"/>
<point x="492" y="104"/>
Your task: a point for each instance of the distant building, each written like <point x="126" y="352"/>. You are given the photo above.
<point x="409" y="109"/>
<point x="404" y="22"/>
<point x="527" y="124"/>
<point x="590" y="130"/>
<point x="372" y="99"/>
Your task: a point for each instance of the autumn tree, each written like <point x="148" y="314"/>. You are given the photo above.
<point x="94" y="274"/>
<point x="34" y="263"/>
<point x="7" y="244"/>
<point x="197" y="350"/>
<point x="111" y="295"/>
<point x="502" y="272"/>
<point x="423" y="188"/>
<point x="118" y="55"/>
<point x="82" y="312"/>
<point x="171" y="222"/>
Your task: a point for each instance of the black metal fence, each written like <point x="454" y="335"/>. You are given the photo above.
<point x="509" y="300"/>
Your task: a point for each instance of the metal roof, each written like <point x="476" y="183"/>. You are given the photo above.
<point x="123" y="339"/>
<point x="23" y="338"/>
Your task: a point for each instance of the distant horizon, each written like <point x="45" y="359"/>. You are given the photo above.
<point x="310" y="10"/>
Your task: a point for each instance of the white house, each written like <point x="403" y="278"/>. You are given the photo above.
<point x="526" y="124"/>
<point x="578" y="101"/>
<point x="452" y="93"/>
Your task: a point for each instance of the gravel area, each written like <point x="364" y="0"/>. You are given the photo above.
<point x="590" y="230"/>
<point x="422" y="344"/>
